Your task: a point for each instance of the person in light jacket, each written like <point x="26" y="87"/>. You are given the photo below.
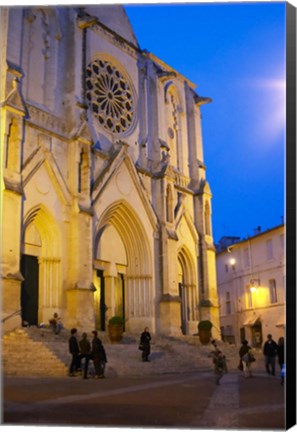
<point x="245" y="356"/>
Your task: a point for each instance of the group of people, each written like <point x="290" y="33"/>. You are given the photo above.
<point x="95" y="351"/>
<point x="271" y="350"/>
<point x="84" y="349"/>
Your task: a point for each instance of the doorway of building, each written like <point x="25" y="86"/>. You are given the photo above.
<point x="183" y="308"/>
<point x="101" y="316"/>
<point x="29" y="289"/>
<point x="120" y="297"/>
<point x="257" y="334"/>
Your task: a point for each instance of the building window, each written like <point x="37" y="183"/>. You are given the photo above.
<point x="282" y="241"/>
<point x="226" y="268"/>
<point x="272" y="291"/>
<point x="229" y="330"/>
<point x="269" y="251"/>
<point x="246" y="257"/>
<point x="228" y="303"/>
<point x="249" y="302"/>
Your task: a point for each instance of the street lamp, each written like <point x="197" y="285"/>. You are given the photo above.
<point x="232" y="262"/>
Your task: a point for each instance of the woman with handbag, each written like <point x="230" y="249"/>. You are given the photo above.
<point x="246" y="358"/>
<point x="145" y="344"/>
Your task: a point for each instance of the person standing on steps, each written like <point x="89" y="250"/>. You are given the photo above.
<point x="74" y="351"/>
<point x="270" y="352"/>
<point x="98" y="355"/>
<point x="145" y="343"/>
<point x="85" y="353"/>
<point x="56" y="323"/>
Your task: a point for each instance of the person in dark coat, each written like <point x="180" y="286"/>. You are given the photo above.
<point x="281" y="357"/>
<point x="281" y="351"/>
<point x="145" y="343"/>
<point x="270" y="352"/>
<point x="74" y="351"/>
<point x="85" y="352"/>
<point x="98" y="355"/>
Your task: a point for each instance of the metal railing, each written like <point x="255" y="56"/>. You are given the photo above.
<point x="18" y="312"/>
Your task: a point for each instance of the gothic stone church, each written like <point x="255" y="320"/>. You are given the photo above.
<point x="106" y="209"/>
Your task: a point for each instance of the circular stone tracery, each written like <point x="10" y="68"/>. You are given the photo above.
<point x="109" y="96"/>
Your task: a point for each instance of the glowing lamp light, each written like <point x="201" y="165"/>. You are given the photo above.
<point x="232" y="261"/>
<point x="255" y="283"/>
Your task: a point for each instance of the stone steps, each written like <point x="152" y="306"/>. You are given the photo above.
<point x="38" y="352"/>
<point x="23" y="356"/>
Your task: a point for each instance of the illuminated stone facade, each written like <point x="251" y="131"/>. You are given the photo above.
<point x="106" y="209"/>
<point x="251" y="287"/>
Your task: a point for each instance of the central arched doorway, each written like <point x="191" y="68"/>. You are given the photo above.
<point x="123" y="269"/>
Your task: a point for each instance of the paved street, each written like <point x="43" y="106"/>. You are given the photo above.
<point x="167" y="400"/>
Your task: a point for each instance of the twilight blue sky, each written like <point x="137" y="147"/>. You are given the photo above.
<point x="235" y="54"/>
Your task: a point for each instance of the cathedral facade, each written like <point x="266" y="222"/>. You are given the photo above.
<point x="106" y="209"/>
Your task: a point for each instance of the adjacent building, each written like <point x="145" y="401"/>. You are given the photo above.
<point x="251" y="286"/>
<point x="106" y="209"/>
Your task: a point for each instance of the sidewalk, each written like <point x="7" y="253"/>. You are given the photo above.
<point x="237" y="403"/>
<point x="262" y="399"/>
<point x="246" y="403"/>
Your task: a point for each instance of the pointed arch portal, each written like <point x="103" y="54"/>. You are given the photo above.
<point x="127" y="263"/>
<point x="41" y="266"/>
<point x="187" y="289"/>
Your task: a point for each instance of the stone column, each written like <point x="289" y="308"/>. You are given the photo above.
<point x="80" y="297"/>
<point x="11" y="139"/>
<point x="191" y="135"/>
<point x="142" y="116"/>
<point x="152" y="116"/>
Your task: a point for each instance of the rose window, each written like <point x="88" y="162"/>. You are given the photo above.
<point x="109" y="96"/>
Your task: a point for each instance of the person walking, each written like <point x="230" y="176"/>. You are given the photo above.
<point x="220" y="365"/>
<point x="74" y="351"/>
<point x="281" y="351"/>
<point x="281" y="357"/>
<point x="98" y="355"/>
<point x="270" y="352"/>
<point x="245" y="354"/>
<point x="145" y="344"/>
<point x="85" y="353"/>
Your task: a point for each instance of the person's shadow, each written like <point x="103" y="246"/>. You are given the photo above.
<point x="156" y="355"/>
